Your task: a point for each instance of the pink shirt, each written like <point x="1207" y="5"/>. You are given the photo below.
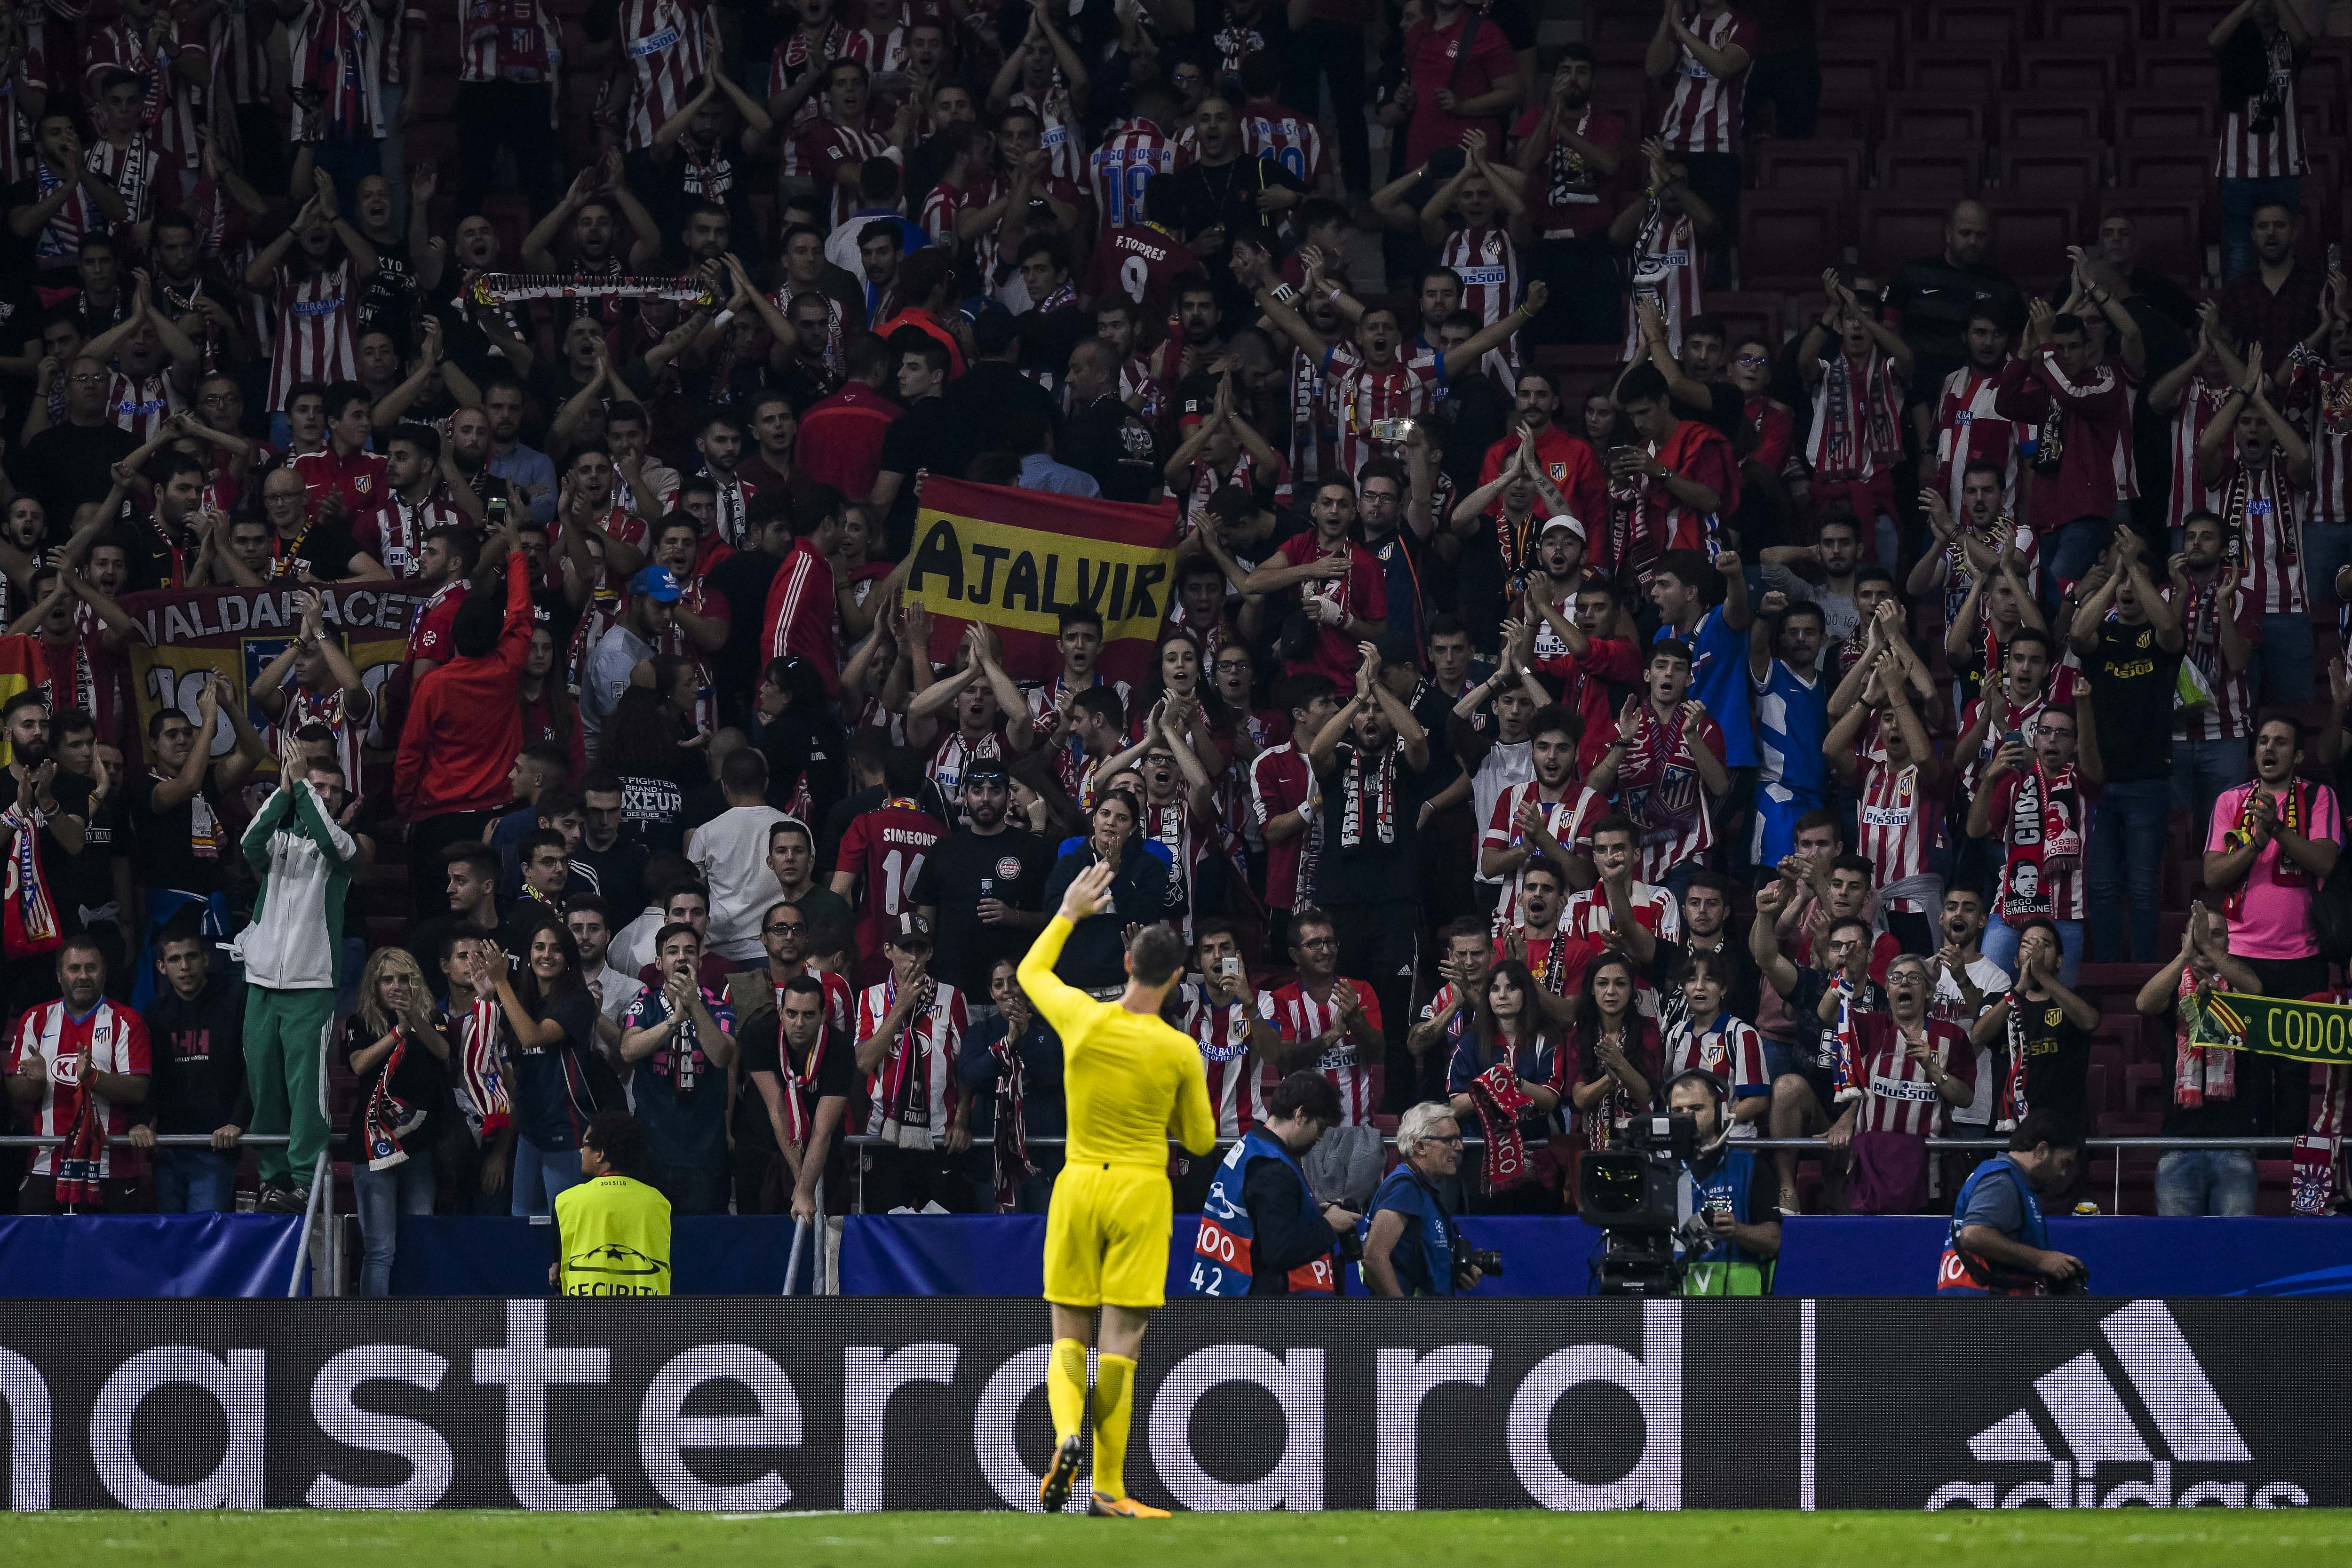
<point x="2273" y="922"/>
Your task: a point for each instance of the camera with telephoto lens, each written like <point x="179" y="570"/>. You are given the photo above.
<point x="1466" y="1258"/>
<point x="1631" y="1191"/>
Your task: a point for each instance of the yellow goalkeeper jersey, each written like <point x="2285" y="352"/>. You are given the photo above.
<point x="1128" y="1080"/>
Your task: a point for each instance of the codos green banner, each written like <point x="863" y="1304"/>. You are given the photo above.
<point x="2317" y="1032"/>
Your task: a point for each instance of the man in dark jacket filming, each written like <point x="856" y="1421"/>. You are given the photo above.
<point x="1263" y="1231"/>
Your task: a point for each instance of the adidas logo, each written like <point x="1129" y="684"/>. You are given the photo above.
<point x="2162" y="1413"/>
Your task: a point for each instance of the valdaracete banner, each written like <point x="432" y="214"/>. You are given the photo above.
<point x="191" y="632"/>
<point x="1017" y="560"/>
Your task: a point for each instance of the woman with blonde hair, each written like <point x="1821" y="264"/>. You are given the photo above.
<point x="392" y="1046"/>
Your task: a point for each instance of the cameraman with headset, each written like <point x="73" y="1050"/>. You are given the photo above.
<point x="1263" y="1231"/>
<point x="1731" y="1231"/>
<point x="1413" y="1248"/>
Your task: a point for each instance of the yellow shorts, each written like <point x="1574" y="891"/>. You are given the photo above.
<point x="1107" y="1237"/>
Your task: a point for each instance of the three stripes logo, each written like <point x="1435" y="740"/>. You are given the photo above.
<point x="2145" y="1402"/>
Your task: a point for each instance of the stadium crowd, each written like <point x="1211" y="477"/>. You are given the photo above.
<point x="1823" y="704"/>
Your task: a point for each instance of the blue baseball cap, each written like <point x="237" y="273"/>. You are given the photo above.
<point x="655" y="583"/>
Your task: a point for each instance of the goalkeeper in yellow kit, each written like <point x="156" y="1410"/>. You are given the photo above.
<point x="1128" y="1079"/>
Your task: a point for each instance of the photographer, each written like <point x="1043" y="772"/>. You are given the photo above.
<point x="1413" y="1248"/>
<point x="1262" y="1231"/>
<point x="1726" y="1251"/>
<point x="1999" y="1244"/>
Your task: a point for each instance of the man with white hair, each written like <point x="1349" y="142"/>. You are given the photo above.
<point x="1410" y="1249"/>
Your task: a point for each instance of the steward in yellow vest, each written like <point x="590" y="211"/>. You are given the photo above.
<point x="612" y="1231"/>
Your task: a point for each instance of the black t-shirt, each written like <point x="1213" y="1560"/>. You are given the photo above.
<point x="198" y="1055"/>
<point x="2133" y="680"/>
<point x="1933" y="300"/>
<point x="388" y="303"/>
<point x="743" y="580"/>
<point x="760" y="1045"/>
<point x="86" y="881"/>
<point x="1815" y="1039"/>
<point x="327" y="546"/>
<point x="669" y="189"/>
<point x="922" y="438"/>
<point x="168" y="850"/>
<point x="1111" y="442"/>
<point x="545" y="1109"/>
<point x="1375" y="870"/>
<point x="805" y="745"/>
<point x="616" y="875"/>
<point x="2057" y="1060"/>
<point x="981" y="406"/>
<point x="655" y="805"/>
<point x="68" y="466"/>
<point x="420" y="1080"/>
<point x="148" y="554"/>
<point x="1726" y="410"/>
<point x="963" y="868"/>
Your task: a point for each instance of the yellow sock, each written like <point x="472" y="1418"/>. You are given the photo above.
<point x="1065" y="1387"/>
<point x="1114" y="1403"/>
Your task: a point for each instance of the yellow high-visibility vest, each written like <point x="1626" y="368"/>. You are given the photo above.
<point x="615" y="1237"/>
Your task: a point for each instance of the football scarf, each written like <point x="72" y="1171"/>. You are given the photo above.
<point x="387" y="1119"/>
<point x="1368" y="801"/>
<point x="1846" y="1071"/>
<point x="1848" y="445"/>
<point x="2041" y="831"/>
<point x="513" y="288"/>
<point x="2205" y="1053"/>
<point x="906" y="1085"/>
<point x="1012" y="1151"/>
<point x="800" y="1082"/>
<point x="2245" y="502"/>
<point x="28" y="920"/>
<point x="1496" y="1096"/>
<point x="2011" y="1107"/>
<point x="79" y="1162"/>
<point x="480" y="1069"/>
<point x="2294" y="816"/>
<point x="681" y="1058"/>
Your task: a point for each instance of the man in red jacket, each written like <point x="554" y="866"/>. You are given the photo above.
<point x="465" y="725"/>
<point x="801" y="605"/>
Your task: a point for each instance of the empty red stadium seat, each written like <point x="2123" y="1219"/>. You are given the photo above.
<point x="1850" y="120"/>
<point x="2066" y="118"/>
<point x="2031" y="237"/>
<point x="1959" y="71"/>
<point x="1881" y="24"/>
<point x="2174" y="65"/>
<point x="1786" y="240"/>
<point x="1852" y="75"/>
<point x="1817" y="165"/>
<point x="2065" y="67"/>
<point x="1624" y="87"/>
<point x="1931" y="168"/>
<point x="2176" y="115"/>
<point x="2170" y="230"/>
<point x="1930" y="117"/>
<point x="2058" y="172"/>
<point x="1746" y="312"/>
<point x="2187" y="19"/>
<point x="1896" y="228"/>
<point x="2325" y="78"/>
<point x="2163" y="164"/>
<point x="2113" y="22"/>
<point x="2003" y="25"/>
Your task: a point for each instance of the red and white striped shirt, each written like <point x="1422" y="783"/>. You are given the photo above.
<point x="503" y="40"/>
<point x="1898" y="1093"/>
<point x="2278" y="152"/>
<point x="17" y="158"/>
<point x="824" y="150"/>
<point x="935" y="1037"/>
<point x="141" y="407"/>
<point x="882" y="54"/>
<point x="1488" y="264"/>
<point x="2199" y="401"/>
<point x="1360" y="396"/>
<point x="2262" y="510"/>
<point x="1279" y="781"/>
<point x="1658" y="787"/>
<point x="317" y="319"/>
<point x="1294" y="141"/>
<point x="2231" y="715"/>
<point x="1236" y="1079"/>
<point x="1062" y="143"/>
<point x="169" y="113"/>
<point x="116" y="1040"/>
<point x="240" y="56"/>
<point x="1131" y="152"/>
<point x="1586" y="914"/>
<point x="1666" y="274"/>
<point x="1865" y="436"/>
<point x="394" y="532"/>
<point x="1896" y="824"/>
<point x="666" y="47"/>
<point x="1730" y="1049"/>
<point x="1969" y="430"/>
<point x="1503" y="832"/>
<point x="1704" y="114"/>
<point x="332" y="707"/>
<point x="794" y="58"/>
<point x="1352" y="1068"/>
<point x="334" y="51"/>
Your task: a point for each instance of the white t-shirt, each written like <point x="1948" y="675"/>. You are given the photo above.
<point x="1947" y="1003"/>
<point x="732" y="850"/>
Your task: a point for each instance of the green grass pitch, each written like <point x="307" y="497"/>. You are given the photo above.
<point x="2089" y="1539"/>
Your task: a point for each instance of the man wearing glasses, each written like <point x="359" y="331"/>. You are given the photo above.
<point x="797" y="1061"/>
<point x="69" y="466"/>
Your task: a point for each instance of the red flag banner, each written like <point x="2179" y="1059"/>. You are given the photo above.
<point x="1017" y="560"/>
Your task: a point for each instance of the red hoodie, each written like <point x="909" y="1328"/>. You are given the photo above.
<point x="464" y="723"/>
